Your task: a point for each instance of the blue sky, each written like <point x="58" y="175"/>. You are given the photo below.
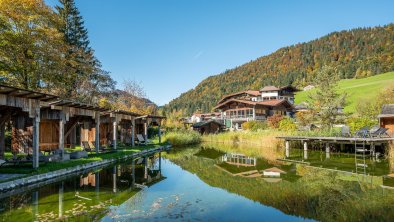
<point x="171" y="45"/>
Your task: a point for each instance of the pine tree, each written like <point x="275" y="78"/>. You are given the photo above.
<point x="89" y="80"/>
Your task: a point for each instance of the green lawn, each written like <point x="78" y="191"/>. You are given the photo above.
<point x="357" y="89"/>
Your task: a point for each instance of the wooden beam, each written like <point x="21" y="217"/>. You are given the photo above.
<point x="97" y="140"/>
<point x="73" y="125"/>
<point x="2" y="140"/>
<point x="114" y="133"/>
<point x="132" y="134"/>
<point x="62" y="122"/>
<point x="36" y="140"/>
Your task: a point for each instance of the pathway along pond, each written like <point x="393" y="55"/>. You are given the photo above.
<point x="205" y="184"/>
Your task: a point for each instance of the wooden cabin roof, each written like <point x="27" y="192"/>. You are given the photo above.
<point x="125" y="112"/>
<point x="387" y="111"/>
<point x="203" y="123"/>
<point x="151" y="117"/>
<point x="269" y="88"/>
<point x="24" y="93"/>
<point x="248" y="92"/>
<point x="68" y="103"/>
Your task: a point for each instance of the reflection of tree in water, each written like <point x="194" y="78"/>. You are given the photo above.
<point x="318" y="194"/>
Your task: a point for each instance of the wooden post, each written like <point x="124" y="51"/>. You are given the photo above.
<point x="61" y="194"/>
<point x="36" y="141"/>
<point x="97" y="136"/>
<point x="254" y="113"/>
<point x="132" y="133"/>
<point x="160" y="161"/>
<point x="146" y="168"/>
<point x="287" y="148"/>
<point x="2" y="141"/>
<point x="97" y="188"/>
<point x="327" y="150"/>
<point x="61" y="134"/>
<point x="114" y="133"/>
<point x="122" y="137"/>
<point x="305" y="154"/>
<point x="34" y="200"/>
<point x="114" y="179"/>
<point x="159" y="133"/>
<point x="133" y="171"/>
<point x="373" y="150"/>
<point x="146" y="130"/>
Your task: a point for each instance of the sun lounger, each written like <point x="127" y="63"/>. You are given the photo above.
<point x="102" y="149"/>
<point x="380" y="132"/>
<point x="363" y="132"/>
<point x="86" y="147"/>
<point x="141" y="139"/>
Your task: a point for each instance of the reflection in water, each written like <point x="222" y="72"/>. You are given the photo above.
<point x="209" y="184"/>
<point x="239" y="159"/>
<point x="84" y="197"/>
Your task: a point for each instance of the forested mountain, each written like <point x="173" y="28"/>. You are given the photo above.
<point x="356" y="53"/>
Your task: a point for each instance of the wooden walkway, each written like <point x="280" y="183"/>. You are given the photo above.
<point x="336" y="139"/>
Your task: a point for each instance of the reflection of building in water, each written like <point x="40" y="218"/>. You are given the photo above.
<point x="90" y="179"/>
<point x="239" y="159"/>
<point x="273" y="172"/>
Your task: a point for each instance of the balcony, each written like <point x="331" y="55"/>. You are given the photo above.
<point x="243" y="118"/>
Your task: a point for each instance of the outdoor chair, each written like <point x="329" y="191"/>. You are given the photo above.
<point x="141" y="140"/>
<point x="363" y="132"/>
<point x="86" y="147"/>
<point x="380" y="132"/>
<point x="102" y="149"/>
<point x="345" y="131"/>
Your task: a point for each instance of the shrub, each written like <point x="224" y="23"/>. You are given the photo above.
<point x="356" y="123"/>
<point x="254" y="125"/>
<point x="287" y="124"/>
<point x="273" y="121"/>
<point x="181" y="138"/>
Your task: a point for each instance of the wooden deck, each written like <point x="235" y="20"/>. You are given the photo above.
<point x="335" y="139"/>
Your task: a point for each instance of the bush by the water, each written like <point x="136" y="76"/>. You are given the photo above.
<point x="181" y="138"/>
<point x="356" y="123"/>
<point x="254" y="125"/>
<point x="287" y="124"/>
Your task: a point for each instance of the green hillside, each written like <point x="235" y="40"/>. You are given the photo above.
<point x="355" y="53"/>
<point x="357" y="89"/>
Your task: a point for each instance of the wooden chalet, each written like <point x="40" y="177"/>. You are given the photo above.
<point x="386" y="118"/>
<point x="118" y="125"/>
<point x="235" y="111"/>
<point x="66" y="123"/>
<point x="22" y="110"/>
<point x="208" y="127"/>
<point x="143" y="122"/>
<point x="248" y="105"/>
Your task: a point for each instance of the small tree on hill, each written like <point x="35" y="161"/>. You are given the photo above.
<point x="325" y="100"/>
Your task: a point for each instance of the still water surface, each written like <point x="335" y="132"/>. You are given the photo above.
<point x="205" y="184"/>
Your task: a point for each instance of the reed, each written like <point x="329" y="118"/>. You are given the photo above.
<point x="182" y="138"/>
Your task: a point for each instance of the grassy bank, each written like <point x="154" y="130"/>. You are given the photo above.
<point x="28" y="170"/>
<point x="183" y="138"/>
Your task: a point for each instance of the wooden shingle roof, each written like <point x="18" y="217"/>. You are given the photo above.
<point x="387" y="111"/>
<point x="24" y="93"/>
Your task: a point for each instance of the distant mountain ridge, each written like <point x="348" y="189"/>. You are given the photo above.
<point x="359" y="52"/>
